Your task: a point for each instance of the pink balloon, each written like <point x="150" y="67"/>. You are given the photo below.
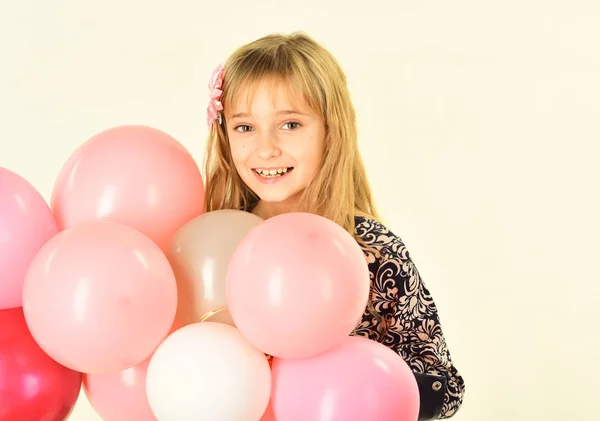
<point x="26" y="223"/>
<point x="120" y="396"/>
<point x="361" y="380"/>
<point x="100" y="297"/>
<point x="134" y="175"/>
<point x="297" y="285"/>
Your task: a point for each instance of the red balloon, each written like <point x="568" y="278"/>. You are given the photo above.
<point x="33" y="387"/>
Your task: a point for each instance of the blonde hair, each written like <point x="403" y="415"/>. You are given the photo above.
<point x="340" y="191"/>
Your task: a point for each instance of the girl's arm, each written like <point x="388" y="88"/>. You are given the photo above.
<point x="414" y="331"/>
<point x="402" y="315"/>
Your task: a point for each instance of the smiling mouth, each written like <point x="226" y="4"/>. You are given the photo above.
<point x="273" y="172"/>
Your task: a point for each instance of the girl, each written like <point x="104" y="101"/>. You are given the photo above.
<point x="283" y="138"/>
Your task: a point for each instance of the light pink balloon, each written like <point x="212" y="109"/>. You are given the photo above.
<point x="297" y="285"/>
<point x="135" y="175"/>
<point x="26" y="223"/>
<point x="120" y="396"/>
<point x="100" y="297"/>
<point x="361" y="380"/>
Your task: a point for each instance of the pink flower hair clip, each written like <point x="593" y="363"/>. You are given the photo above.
<point x="214" y="104"/>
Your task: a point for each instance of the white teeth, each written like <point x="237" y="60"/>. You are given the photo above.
<point x="271" y="173"/>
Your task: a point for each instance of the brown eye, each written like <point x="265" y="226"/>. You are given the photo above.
<point x="292" y="125"/>
<point x="243" y="128"/>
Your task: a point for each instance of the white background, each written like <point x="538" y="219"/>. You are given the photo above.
<point x="479" y="124"/>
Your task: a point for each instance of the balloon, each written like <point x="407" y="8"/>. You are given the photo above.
<point x="121" y="396"/>
<point x="199" y="254"/>
<point x="208" y="371"/>
<point x="26" y="223"/>
<point x="33" y="387"/>
<point x="360" y="380"/>
<point x="134" y="175"/>
<point x="100" y="297"/>
<point x="297" y="285"/>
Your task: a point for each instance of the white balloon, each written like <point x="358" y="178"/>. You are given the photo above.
<point x="208" y="371"/>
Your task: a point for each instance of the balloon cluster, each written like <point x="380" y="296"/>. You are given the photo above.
<point x="167" y="313"/>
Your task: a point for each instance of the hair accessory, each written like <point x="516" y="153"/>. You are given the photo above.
<point x="214" y="103"/>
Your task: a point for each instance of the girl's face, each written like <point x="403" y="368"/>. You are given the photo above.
<point x="277" y="144"/>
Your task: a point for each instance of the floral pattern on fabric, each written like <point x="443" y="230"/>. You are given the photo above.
<point x="402" y="314"/>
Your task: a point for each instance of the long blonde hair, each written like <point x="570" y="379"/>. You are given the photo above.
<point x="340" y="191"/>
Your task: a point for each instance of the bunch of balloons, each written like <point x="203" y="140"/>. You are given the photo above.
<point x="165" y="312"/>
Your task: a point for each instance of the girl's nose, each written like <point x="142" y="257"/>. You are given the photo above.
<point x="268" y="146"/>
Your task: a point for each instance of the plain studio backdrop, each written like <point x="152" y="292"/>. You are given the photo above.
<point x="478" y="122"/>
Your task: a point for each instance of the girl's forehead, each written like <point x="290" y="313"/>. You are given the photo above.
<point x="267" y="93"/>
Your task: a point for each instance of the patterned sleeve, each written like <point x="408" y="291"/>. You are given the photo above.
<point x="412" y="322"/>
<point x="402" y="315"/>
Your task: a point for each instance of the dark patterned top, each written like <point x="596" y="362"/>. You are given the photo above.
<point x="401" y="313"/>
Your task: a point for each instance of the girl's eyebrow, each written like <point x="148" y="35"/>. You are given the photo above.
<point x="281" y="112"/>
<point x="290" y="112"/>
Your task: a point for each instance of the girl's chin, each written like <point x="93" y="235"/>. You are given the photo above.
<point x="276" y="196"/>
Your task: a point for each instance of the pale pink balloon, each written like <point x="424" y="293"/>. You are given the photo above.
<point x="135" y="175"/>
<point x="361" y="380"/>
<point x="100" y="297"/>
<point x="120" y="396"/>
<point x="297" y="285"/>
<point x="26" y="223"/>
